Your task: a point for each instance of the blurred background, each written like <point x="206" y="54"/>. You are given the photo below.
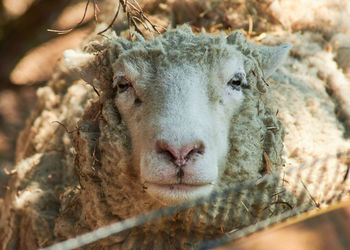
<point x="29" y="53"/>
<point x="28" y="56"/>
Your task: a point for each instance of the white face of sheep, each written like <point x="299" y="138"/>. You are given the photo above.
<point x="179" y="121"/>
<point x="179" y="118"/>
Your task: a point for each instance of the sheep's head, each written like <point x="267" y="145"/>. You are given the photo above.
<point x="176" y="95"/>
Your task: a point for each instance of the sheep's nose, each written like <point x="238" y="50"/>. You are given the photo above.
<point x="179" y="156"/>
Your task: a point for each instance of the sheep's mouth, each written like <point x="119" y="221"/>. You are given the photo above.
<point x="179" y="186"/>
<point x="179" y="192"/>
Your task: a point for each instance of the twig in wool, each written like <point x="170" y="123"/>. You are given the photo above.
<point x="62" y="32"/>
<point x="134" y="15"/>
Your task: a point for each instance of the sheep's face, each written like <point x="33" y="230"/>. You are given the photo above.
<point x="177" y="95"/>
<point x="178" y="116"/>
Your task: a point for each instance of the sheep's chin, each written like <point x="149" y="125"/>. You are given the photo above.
<point x="171" y="194"/>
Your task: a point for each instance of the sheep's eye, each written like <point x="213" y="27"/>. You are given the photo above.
<point x="234" y="82"/>
<point x="237" y="81"/>
<point x="123" y="85"/>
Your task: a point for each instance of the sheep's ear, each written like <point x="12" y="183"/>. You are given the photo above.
<point x="271" y="57"/>
<point x="80" y="63"/>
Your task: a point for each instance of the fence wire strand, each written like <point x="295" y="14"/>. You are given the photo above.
<point x="335" y="184"/>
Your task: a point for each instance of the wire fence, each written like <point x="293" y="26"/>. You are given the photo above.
<point x="230" y="213"/>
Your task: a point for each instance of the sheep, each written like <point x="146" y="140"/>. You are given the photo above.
<point x="160" y="122"/>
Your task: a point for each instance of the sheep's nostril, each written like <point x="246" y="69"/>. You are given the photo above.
<point x="164" y="148"/>
<point x="190" y="151"/>
<point x="168" y="154"/>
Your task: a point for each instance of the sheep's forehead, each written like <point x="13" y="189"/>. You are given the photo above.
<point x="207" y="54"/>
